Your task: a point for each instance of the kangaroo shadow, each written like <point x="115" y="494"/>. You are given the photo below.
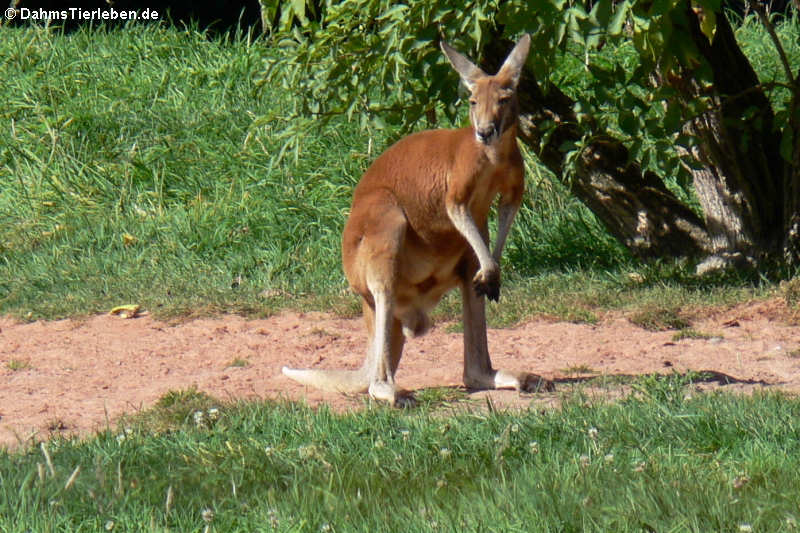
<point x="690" y="378"/>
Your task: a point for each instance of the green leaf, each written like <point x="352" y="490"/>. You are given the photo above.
<point x="618" y="21"/>
<point x="476" y="30"/>
<point x="673" y="119"/>
<point x="394" y="13"/>
<point x="708" y="23"/>
<point x="600" y="14"/>
<point x="560" y="31"/>
<point x="628" y="122"/>
<point x="299" y="10"/>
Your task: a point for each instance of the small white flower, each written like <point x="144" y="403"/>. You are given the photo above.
<point x="609" y="458"/>
<point x="745" y="527"/>
<point x="213" y="414"/>
<point x="307" y="452"/>
<point x="593" y="433"/>
<point x="325" y="528"/>
<point x="584" y="460"/>
<point x="740" y="482"/>
<point x="109" y="525"/>
<point x="127" y="432"/>
<point x="440" y="483"/>
<point x="533" y="446"/>
<point x="445" y="453"/>
<point x="199" y="418"/>
<point x="269" y="450"/>
<point x="405" y="433"/>
<point x="514" y="428"/>
<point x="379" y="443"/>
<point x="207" y="515"/>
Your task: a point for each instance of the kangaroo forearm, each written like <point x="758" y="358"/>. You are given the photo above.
<point x="464" y="223"/>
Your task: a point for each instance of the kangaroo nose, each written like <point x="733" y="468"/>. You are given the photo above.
<point x="485" y="134"/>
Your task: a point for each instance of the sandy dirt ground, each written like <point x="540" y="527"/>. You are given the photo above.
<point x="77" y="376"/>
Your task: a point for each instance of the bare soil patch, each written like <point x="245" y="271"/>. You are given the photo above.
<point x="78" y="376"/>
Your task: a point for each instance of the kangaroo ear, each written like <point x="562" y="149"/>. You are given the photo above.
<point x="466" y="69"/>
<point x="512" y="67"/>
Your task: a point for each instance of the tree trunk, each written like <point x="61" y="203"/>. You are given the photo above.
<point x="635" y="207"/>
<point x="740" y="186"/>
<point x="791" y="180"/>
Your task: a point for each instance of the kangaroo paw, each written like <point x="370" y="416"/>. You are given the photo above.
<point x="487" y="283"/>
<point x="504" y="379"/>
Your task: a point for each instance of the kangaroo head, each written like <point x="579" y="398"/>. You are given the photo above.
<point x="493" y="106"/>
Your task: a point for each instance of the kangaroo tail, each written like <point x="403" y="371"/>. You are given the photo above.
<point x="347" y="381"/>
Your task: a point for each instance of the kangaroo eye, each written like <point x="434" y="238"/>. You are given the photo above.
<point x="473" y="102"/>
<point x="505" y="99"/>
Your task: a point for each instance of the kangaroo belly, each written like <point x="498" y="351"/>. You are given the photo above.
<point x="425" y="274"/>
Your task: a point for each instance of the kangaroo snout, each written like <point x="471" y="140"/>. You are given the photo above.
<point x="487" y="134"/>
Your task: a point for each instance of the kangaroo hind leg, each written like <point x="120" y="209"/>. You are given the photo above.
<point x="378" y="255"/>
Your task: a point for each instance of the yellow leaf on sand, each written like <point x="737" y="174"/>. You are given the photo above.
<point x="126" y="311"/>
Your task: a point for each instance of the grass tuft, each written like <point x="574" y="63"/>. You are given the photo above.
<point x="689" y="333"/>
<point x="579" y="370"/>
<point x="175" y="410"/>
<point x="790" y="289"/>
<point x="658" y="318"/>
<point x="16" y="365"/>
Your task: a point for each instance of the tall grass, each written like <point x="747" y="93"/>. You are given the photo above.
<point x="657" y="461"/>
<point x="131" y="171"/>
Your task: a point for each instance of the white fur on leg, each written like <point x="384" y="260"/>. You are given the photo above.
<point x="381" y="378"/>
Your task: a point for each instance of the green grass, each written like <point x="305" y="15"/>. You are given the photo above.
<point x="690" y="333"/>
<point x="655" y="461"/>
<point x="584" y="296"/>
<point x="16" y="365"/>
<point x="579" y="369"/>
<point x="659" y="318"/>
<point x="238" y="362"/>
<point x="132" y="172"/>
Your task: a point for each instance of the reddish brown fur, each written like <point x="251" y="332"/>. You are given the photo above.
<point x="447" y="166"/>
<point x="418" y="228"/>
